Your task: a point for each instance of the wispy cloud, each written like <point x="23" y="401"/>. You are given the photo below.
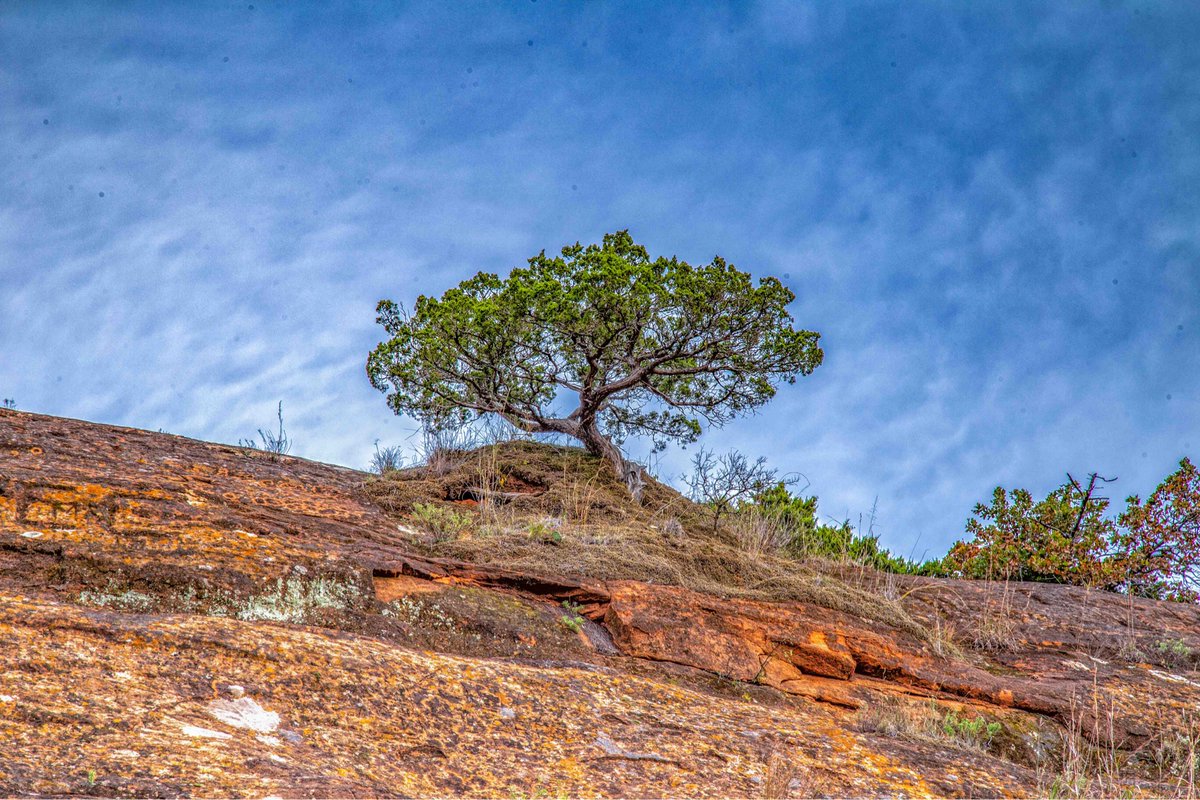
<point x="989" y="211"/>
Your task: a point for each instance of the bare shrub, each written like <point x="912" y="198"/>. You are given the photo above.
<point x="721" y="482"/>
<point x="276" y="443"/>
<point x="780" y="777"/>
<point x="388" y="459"/>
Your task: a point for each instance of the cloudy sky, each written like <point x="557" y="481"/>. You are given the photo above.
<point x="991" y="212"/>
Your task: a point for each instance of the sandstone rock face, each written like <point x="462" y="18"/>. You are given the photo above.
<point x="184" y="618"/>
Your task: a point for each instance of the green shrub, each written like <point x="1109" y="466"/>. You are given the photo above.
<point x="973" y="730"/>
<point x="544" y="533"/>
<point x="807" y="537"/>
<point x="1152" y="549"/>
<point x="443" y="524"/>
<point x="572" y="620"/>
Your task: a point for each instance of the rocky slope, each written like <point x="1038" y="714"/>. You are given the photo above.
<point x="184" y="618"/>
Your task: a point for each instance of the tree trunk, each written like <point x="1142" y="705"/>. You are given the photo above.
<point x="629" y="473"/>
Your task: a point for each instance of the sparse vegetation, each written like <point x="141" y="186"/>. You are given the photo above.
<point x="442" y="523"/>
<point x="927" y="721"/>
<point x="572" y="620"/>
<point x="619" y="540"/>
<point x="995" y="630"/>
<point x="780" y="775"/>
<point x="387" y="459"/>
<point x="9" y="403"/>
<point x="976" y="731"/>
<point x="276" y="443"/>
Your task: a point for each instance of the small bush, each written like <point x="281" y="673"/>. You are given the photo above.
<point x="546" y="532"/>
<point x="721" y="483"/>
<point x="389" y="459"/>
<point x="1175" y="653"/>
<point x="572" y="620"/>
<point x="277" y="443"/>
<point x="443" y="524"/>
<point x="975" y="731"/>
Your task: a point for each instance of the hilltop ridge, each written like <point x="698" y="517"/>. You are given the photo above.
<point x="190" y="618"/>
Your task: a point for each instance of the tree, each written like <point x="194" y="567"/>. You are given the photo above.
<point x="643" y="346"/>
<point x="1159" y="543"/>
<point x="1064" y="538"/>
<point x="1152" y="549"/>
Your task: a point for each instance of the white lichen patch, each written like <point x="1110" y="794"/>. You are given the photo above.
<point x="125" y="600"/>
<point x="1167" y="676"/>
<point x="244" y="713"/>
<point x="204" y="733"/>
<point x="294" y="600"/>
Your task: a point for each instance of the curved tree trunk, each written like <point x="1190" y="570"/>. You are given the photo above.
<point x="594" y="442"/>
<point x="599" y="445"/>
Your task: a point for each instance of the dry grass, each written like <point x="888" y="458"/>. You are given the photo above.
<point x="996" y="629"/>
<point x="604" y="535"/>
<point x="780" y="776"/>
<point x="929" y="722"/>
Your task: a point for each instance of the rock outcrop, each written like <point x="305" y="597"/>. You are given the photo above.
<point x="185" y="618"/>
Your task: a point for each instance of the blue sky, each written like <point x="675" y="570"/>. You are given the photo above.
<point x="991" y="212"/>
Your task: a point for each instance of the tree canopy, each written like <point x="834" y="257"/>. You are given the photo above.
<point x="641" y="346"/>
<point x="1152" y="549"/>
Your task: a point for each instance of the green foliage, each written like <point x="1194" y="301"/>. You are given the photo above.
<point x="807" y="537"/>
<point x="1175" y="653"/>
<point x="1055" y="540"/>
<point x="444" y="524"/>
<point x="648" y="346"/>
<point x="545" y="533"/>
<point x="976" y="730"/>
<point x="1159" y="540"/>
<point x="1152" y="549"/>
<point x="572" y="620"/>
